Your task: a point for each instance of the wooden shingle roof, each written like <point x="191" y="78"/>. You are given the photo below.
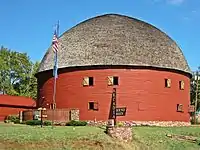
<point x="114" y="39"/>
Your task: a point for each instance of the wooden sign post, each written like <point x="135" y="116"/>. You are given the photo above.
<point x="114" y="105"/>
<point x="116" y="111"/>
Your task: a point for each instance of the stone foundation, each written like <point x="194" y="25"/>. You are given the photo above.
<point x="74" y="114"/>
<point x="96" y="123"/>
<point x="143" y="123"/>
<point x="120" y="133"/>
<point x="157" y="123"/>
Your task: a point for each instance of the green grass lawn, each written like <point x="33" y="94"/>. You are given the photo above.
<point x="20" y="137"/>
<point x="155" y="138"/>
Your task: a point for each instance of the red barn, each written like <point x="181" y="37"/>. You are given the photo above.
<point x="145" y="65"/>
<point x="12" y="105"/>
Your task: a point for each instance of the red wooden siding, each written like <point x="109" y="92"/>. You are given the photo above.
<point x="11" y="105"/>
<point x="5" y="111"/>
<point x="142" y="91"/>
<point x="60" y="115"/>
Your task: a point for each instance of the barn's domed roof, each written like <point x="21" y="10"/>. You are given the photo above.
<point x="116" y="40"/>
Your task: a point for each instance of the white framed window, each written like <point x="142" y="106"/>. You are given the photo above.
<point x="92" y="105"/>
<point x="181" y="85"/>
<point x="88" y="81"/>
<point x="168" y="83"/>
<point x="113" y="80"/>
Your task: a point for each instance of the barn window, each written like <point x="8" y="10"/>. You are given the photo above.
<point x="91" y="81"/>
<point x="93" y="106"/>
<point x="88" y="81"/>
<point x="52" y="106"/>
<point x="181" y="85"/>
<point x="168" y="83"/>
<point x="179" y="107"/>
<point x="113" y="80"/>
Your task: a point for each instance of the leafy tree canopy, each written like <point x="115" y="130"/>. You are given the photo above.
<point x="17" y="74"/>
<point x="195" y="88"/>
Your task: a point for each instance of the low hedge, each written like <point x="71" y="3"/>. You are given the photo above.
<point x="47" y="123"/>
<point x="33" y="122"/>
<point x="76" y="123"/>
<point x="12" y="118"/>
<point x="38" y="122"/>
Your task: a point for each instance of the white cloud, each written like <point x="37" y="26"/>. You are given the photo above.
<point x="192" y="15"/>
<point x="194" y="11"/>
<point x="186" y="18"/>
<point x="175" y="2"/>
<point x="171" y="2"/>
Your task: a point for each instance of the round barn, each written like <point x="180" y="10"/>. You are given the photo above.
<point x="147" y="68"/>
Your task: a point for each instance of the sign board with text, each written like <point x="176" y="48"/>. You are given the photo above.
<point x="121" y="111"/>
<point x="114" y="104"/>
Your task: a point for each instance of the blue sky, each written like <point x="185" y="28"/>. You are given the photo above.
<point x="27" y="25"/>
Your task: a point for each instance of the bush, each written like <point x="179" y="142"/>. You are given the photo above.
<point x="76" y="123"/>
<point x="198" y="141"/>
<point x="7" y="121"/>
<point x="12" y="118"/>
<point x="33" y="122"/>
<point x="17" y="121"/>
<point x="23" y="122"/>
<point x="47" y="123"/>
<point x="120" y="124"/>
<point x="38" y="122"/>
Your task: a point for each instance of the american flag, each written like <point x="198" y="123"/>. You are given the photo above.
<point x="55" y="50"/>
<point x="55" y="43"/>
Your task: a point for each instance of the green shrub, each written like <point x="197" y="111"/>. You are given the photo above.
<point x="120" y="124"/>
<point x="7" y="121"/>
<point x="33" y="122"/>
<point x="23" y="122"/>
<point x="47" y="123"/>
<point x="38" y="122"/>
<point x="198" y="141"/>
<point x="12" y="118"/>
<point x="76" y="123"/>
<point x="17" y="121"/>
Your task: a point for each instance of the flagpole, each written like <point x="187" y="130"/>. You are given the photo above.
<point x="57" y="29"/>
<point x="55" y="77"/>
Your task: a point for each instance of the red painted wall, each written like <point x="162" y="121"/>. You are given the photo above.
<point x="5" y="111"/>
<point x="142" y="91"/>
<point x="11" y="105"/>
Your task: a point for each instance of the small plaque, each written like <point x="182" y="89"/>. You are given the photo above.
<point x="121" y="111"/>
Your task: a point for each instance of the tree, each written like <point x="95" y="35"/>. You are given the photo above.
<point x="4" y="69"/>
<point x="195" y="88"/>
<point x="17" y="74"/>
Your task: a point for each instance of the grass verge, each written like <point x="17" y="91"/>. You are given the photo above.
<point x="23" y="137"/>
